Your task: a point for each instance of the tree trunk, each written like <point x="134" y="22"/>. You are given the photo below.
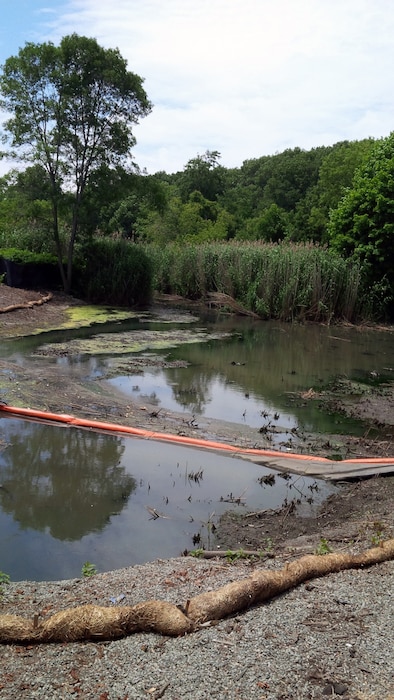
<point x="58" y="245"/>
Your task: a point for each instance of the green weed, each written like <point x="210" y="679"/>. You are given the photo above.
<point x="4" y="581"/>
<point x="88" y="569"/>
<point x="323" y="547"/>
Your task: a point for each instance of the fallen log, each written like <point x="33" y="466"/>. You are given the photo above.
<point x="230" y="554"/>
<point x="26" y="304"/>
<point x="95" y="623"/>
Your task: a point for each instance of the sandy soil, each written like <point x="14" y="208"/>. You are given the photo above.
<point x="360" y="512"/>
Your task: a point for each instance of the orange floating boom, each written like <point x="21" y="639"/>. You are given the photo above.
<point x="306" y="465"/>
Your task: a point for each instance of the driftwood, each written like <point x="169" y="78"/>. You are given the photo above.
<point x="26" y="304"/>
<point x="92" y="622"/>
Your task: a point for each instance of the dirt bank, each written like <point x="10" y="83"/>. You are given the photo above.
<point x="358" y="513"/>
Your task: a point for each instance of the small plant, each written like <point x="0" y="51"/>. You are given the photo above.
<point x="234" y="555"/>
<point x="377" y="535"/>
<point x="88" y="569"/>
<point x="4" y="581"/>
<point x="323" y="547"/>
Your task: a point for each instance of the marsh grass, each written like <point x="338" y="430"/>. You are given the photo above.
<point x="113" y="272"/>
<point x="281" y="281"/>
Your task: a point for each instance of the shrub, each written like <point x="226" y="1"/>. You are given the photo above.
<point x="113" y="272"/>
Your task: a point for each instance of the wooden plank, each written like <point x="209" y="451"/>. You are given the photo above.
<point x="330" y="471"/>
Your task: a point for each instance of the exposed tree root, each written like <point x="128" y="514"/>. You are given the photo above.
<point x="26" y="304"/>
<point x="97" y="623"/>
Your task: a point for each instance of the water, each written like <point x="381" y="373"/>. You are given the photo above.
<point x="261" y="369"/>
<point x="68" y="496"/>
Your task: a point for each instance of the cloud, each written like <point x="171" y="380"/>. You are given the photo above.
<point x="247" y="77"/>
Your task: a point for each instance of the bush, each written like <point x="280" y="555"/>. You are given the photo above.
<point x="22" y="268"/>
<point x="26" y="256"/>
<point x="112" y="272"/>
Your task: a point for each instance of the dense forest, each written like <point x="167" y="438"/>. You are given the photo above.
<point x="315" y="227"/>
<point x="293" y="197"/>
<point x="286" y="196"/>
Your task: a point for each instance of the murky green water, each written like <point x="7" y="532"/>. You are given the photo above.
<point x="262" y="368"/>
<point x="68" y="495"/>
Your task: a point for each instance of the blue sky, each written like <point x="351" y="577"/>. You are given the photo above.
<point x="243" y="77"/>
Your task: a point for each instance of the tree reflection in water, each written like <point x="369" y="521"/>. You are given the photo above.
<point x="66" y="481"/>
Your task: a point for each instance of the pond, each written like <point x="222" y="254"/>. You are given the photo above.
<point x="68" y="496"/>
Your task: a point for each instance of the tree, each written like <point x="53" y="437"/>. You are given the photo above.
<point x="284" y="178"/>
<point x="148" y="195"/>
<point x="72" y="110"/>
<point x="270" y="225"/>
<point x="363" y="224"/>
<point x="335" y="176"/>
<point x="202" y="174"/>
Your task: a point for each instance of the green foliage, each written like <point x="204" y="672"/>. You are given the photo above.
<point x="285" y="197"/>
<point x="88" y="570"/>
<point x="362" y="227"/>
<point x="72" y="111"/>
<point x="284" y="178"/>
<point x="203" y="174"/>
<point x="323" y="547"/>
<point x="26" y="256"/>
<point x="29" y="237"/>
<point x="311" y="215"/>
<point x="270" y="225"/>
<point x="4" y="581"/>
<point x="114" y="272"/>
<point x="196" y="221"/>
<point x="283" y="281"/>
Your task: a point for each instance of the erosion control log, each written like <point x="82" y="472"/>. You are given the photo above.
<point x="95" y="623"/>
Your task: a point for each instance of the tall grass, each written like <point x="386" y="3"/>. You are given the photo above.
<point x="113" y="272"/>
<point x="282" y="281"/>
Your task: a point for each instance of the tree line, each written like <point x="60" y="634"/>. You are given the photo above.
<point x="72" y="111"/>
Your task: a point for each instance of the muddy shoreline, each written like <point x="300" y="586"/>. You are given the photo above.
<point x="358" y="513"/>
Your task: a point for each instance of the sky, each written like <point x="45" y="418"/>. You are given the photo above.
<point x="246" y="78"/>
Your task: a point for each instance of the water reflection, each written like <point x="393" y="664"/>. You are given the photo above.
<point x="66" y="482"/>
<point x="61" y="506"/>
<point x="262" y="369"/>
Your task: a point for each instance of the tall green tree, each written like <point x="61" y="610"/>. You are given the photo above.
<point x="362" y="226"/>
<point x="73" y="108"/>
<point x="336" y="174"/>
<point x="202" y="174"/>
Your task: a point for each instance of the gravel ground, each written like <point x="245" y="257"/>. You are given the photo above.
<point x="332" y="636"/>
